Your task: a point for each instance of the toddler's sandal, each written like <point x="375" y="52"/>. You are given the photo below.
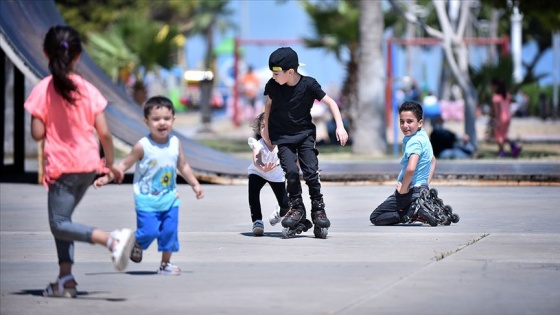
<point x="57" y="288"/>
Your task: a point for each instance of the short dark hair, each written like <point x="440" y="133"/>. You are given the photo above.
<point x="157" y="102"/>
<point x="414" y="107"/>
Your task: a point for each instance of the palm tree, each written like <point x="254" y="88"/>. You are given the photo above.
<point x="135" y="45"/>
<point x="369" y="121"/>
<point x="336" y="30"/>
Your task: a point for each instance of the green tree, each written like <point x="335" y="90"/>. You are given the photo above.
<point x="335" y="25"/>
<point x="132" y="46"/>
<point x="96" y="15"/>
<point x="540" y="20"/>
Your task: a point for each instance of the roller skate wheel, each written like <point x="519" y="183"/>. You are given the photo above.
<point x="434" y="192"/>
<point x="286" y="233"/>
<point x="455" y="218"/>
<point x="321" y="232"/>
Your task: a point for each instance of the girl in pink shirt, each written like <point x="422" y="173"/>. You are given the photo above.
<point x="501" y="102"/>
<point x="66" y="110"/>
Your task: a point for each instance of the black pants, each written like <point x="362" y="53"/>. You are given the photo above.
<point x="256" y="183"/>
<point x="306" y="153"/>
<point x="394" y="208"/>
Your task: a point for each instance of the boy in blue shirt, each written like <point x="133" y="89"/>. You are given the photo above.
<point x="417" y="169"/>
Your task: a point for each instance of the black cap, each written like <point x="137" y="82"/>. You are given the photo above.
<point x="284" y="58"/>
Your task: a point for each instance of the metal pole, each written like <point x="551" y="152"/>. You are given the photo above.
<point x="516" y="44"/>
<point x="556" y="73"/>
<point x="235" y="82"/>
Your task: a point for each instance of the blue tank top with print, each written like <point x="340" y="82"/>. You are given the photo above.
<point x="155" y="186"/>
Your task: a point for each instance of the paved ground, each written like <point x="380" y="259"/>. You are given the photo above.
<point x="503" y="257"/>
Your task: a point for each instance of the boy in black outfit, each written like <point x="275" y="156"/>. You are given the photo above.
<point x="289" y="98"/>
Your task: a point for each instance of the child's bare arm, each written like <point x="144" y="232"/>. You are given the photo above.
<point x="106" y="140"/>
<point x="409" y="173"/>
<point x="186" y="172"/>
<point x="432" y="169"/>
<point x="136" y="154"/>
<point x="341" y="134"/>
<point x="265" y="134"/>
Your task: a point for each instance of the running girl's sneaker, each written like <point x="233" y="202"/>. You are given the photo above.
<point x="275" y="217"/>
<point x="121" y="242"/>
<point x="258" y="228"/>
<point x="169" y="269"/>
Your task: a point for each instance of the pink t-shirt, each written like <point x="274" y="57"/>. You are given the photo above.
<point x="71" y="145"/>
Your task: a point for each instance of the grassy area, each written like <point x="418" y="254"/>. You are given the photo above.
<point x="531" y="151"/>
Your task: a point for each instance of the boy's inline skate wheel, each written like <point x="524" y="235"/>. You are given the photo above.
<point x="434" y="192"/>
<point x="446" y="220"/>
<point x="455" y="218"/>
<point x="321" y="232"/>
<point x="286" y="233"/>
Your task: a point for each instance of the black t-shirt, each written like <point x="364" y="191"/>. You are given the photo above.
<point x="290" y="113"/>
<point x="442" y="139"/>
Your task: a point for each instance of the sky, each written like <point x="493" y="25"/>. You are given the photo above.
<point x="273" y="20"/>
<point x="270" y="20"/>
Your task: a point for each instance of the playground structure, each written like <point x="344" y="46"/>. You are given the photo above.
<point x="22" y="27"/>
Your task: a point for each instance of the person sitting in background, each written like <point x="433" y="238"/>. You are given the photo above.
<point x="447" y="145"/>
<point x="432" y="108"/>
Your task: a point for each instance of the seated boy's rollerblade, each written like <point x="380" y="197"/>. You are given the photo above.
<point x="443" y="212"/>
<point x="421" y="211"/>
<point x="295" y="221"/>
<point x="430" y="209"/>
<point x="319" y="218"/>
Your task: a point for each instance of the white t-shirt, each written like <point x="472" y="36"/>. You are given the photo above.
<point x="267" y="156"/>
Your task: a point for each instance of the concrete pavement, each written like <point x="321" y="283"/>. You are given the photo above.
<point x="503" y="257"/>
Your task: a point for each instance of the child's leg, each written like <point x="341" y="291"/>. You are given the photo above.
<point x="386" y="213"/>
<point x="288" y="160"/>
<point x="148" y="224"/>
<point x="256" y="183"/>
<point x="165" y="257"/>
<point x="307" y="156"/>
<point x="168" y="239"/>
<point x="279" y="189"/>
<point x="63" y="197"/>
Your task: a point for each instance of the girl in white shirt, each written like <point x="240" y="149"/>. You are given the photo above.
<point x="265" y="168"/>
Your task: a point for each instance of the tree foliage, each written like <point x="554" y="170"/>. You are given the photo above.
<point x="97" y="15"/>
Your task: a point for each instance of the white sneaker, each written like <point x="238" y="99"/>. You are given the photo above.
<point x="258" y="228"/>
<point x="275" y="217"/>
<point x="122" y="242"/>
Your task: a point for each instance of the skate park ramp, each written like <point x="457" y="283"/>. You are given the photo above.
<point x="23" y="27"/>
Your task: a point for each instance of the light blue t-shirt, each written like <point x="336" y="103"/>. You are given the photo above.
<point x="155" y="187"/>
<point x="418" y="143"/>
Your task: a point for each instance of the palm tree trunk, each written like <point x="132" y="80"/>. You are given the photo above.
<point x="369" y="130"/>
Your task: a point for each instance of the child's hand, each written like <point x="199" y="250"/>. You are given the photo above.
<point x="101" y="181"/>
<point x="341" y="135"/>
<point x="117" y="174"/>
<point x="268" y="166"/>
<point x="198" y="191"/>
<point x="401" y="190"/>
